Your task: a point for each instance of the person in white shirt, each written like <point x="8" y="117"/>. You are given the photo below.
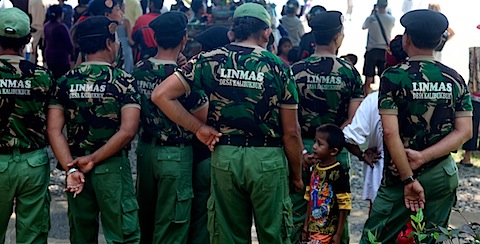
<point x="366" y="127"/>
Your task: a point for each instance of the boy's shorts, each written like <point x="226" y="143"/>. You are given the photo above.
<point x="318" y="238"/>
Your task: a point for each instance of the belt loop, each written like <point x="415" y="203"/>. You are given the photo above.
<point x="16" y="154"/>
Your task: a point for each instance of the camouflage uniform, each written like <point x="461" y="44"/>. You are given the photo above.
<point x="426" y="96"/>
<point x="24" y="170"/>
<point x="326" y="86"/>
<point x="246" y="86"/>
<point x="164" y="160"/>
<point x="92" y="96"/>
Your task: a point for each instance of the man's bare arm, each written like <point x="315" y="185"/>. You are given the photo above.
<point x="165" y="97"/>
<point x="292" y="141"/>
<point x="462" y="131"/>
<point x="58" y="142"/>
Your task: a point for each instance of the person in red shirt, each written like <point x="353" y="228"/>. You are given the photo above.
<point x="142" y="34"/>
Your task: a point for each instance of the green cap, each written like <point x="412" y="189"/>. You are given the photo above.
<point x="14" y="23"/>
<point x="253" y="10"/>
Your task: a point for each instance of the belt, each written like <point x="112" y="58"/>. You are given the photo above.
<point x="11" y="150"/>
<point x="430" y="164"/>
<point x="158" y="142"/>
<point x="248" y="141"/>
<point x="82" y="152"/>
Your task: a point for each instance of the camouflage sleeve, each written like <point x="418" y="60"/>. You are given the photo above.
<point x="290" y="93"/>
<point x="189" y="75"/>
<point x="463" y="106"/>
<point x="386" y="96"/>
<point x="56" y="100"/>
<point x="195" y="101"/>
<point x="129" y="96"/>
<point x="357" y="90"/>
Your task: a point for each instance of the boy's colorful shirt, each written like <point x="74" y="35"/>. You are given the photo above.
<point x="328" y="193"/>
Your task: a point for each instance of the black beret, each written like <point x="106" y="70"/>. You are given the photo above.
<point x="96" y="26"/>
<point x="425" y="24"/>
<point x="100" y="7"/>
<point x="213" y="37"/>
<point x="327" y="21"/>
<point x="170" y="23"/>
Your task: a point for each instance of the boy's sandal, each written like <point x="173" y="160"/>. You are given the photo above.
<point x="465" y="164"/>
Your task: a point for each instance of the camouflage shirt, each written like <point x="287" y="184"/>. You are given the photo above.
<point x="92" y="96"/>
<point x="246" y="86"/>
<point x="426" y="96"/>
<point x="326" y="85"/>
<point x="154" y="123"/>
<point x="24" y="93"/>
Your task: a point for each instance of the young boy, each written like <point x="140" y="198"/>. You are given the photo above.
<point x="329" y="191"/>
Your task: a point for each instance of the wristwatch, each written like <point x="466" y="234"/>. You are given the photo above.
<point x="408" y="180"/>
<point x="71" y="170"/>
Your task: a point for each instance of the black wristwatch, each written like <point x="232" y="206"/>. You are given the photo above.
<point x="408" y="180"/>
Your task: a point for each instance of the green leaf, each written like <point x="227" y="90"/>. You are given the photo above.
<point x="422" y="236"/>
<point x="442" y="238"/>
<point x="454" y="232"/>
<point x="414" y="226"/>
<point x="444" y="230"/>
<point x="420" y="215"/>
<point x="371" y="237"/>
<point x="415" y="219"/>
<point x="435" y="235"/>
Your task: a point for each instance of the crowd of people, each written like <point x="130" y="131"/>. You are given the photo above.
<point x="234" y="135"/>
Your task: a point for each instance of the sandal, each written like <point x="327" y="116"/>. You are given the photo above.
<point x="465" y="164"/>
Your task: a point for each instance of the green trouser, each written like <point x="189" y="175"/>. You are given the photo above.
<point x="164" y="192"/>
<point x="201" y="189"/>
<point x="249" y="181"/>
<point x="389" y="213"/>
<point x="300" y="204"/>
<point x="25" y="178"/>
<point x="108" y="191"/>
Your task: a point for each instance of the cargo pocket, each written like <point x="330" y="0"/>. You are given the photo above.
<point x="108" y="178"/>
<point x="42" y="220"/>
<point x="287" y="218"/>
<point x="183" y="206"/>
<point x="273" y="173"/>
<point x="39" y="171"/>
<point x="451" y="178"/>
<point x="212" y="224"/>
<point x="382" y="206"/>
<point x="221" y="175"/>
<point x="168" y="163"/>
<point x="4" y="178"/>
<point x="129" y="216"/>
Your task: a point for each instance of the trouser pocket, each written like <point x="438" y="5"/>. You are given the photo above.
<point x="183" y="205"/>
<point x="212" y="225"/>
<point x="287" y="225"/>
<point x="129" y="216"/>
